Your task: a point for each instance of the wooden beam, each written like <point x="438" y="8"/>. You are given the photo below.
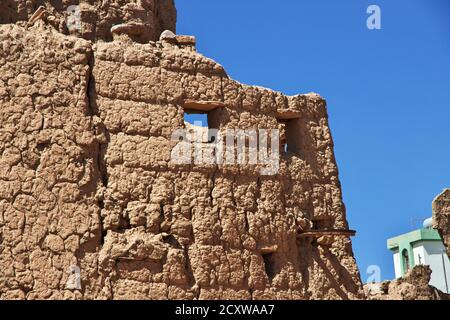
<point x="321" y="233"/>
<point x="38" y="14"/>
<point x="130" y="28"/>
<point x="204" y="106"/>
<point x="128" y="259"/>
<point x="288" y="115"/>
<point x="269" y="250"/>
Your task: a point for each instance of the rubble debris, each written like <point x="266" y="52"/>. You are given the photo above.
<point x="131" y="28"/>
<point x="413" y="286"/>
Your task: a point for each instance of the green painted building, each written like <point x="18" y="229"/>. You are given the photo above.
<point x="422" y="247"/>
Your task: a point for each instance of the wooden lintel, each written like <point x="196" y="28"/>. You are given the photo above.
<point x="321" y="233"/>
<point x="204" y="106"/>
<point x="288" y="115"/>
<point x="269" y="250"/>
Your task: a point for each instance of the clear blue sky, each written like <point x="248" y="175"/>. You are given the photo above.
<point x="388" y="94"/>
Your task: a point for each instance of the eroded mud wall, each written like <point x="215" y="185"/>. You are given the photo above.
<point x="48" y="167"/>
<point x="96" y="16"/>
<point x="441" y="216"/>
<point x="87" y="180"/>
<point x="221" y="217"/>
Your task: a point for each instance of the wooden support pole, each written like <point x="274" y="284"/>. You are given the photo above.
<point x="36" y="16"/>
<point x="321" y="233"/>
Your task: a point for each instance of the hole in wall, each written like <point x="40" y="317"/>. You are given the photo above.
<point x="202" y="124"/>
<point x="269" y="265"/>
<point x="196" y="119"/>
<point x="290" y="136"/>
<point x="42" y="146"/>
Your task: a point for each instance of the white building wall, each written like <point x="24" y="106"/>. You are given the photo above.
<point x="397" y="268"/>
<point x="420" y="256"/>
<point x="435" y="256"/>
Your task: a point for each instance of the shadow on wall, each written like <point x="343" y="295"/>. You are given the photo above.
<point x="8" y="11"/>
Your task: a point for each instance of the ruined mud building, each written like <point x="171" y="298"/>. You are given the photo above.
<point x="86" y="117"/>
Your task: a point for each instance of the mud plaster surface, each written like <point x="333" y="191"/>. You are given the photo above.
<point x="86" y="180"/>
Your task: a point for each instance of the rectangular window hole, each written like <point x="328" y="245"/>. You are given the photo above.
<point x="200" y="123"/>
<point x="196" y="119"/>
<point x="290" y="136"/>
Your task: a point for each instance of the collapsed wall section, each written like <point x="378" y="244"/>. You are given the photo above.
<point x="413" y="286"/>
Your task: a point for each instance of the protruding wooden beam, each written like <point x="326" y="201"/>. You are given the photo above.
<point x="186" y="40"/>
<point x="204" y="106"/>
<point x="269" y="250"/>
<point x="130" y="28"/>
<point x="128" y="258"/>
<point x="288" y="115"/>
<point x="321" y="233"/>
<point x="38" y="14"/>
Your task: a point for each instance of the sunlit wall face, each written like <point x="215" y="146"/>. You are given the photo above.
<point x="387" y="92"/>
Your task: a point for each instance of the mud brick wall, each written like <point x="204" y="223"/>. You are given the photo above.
<point x="221" y="217"/>
<point x="86" y="179"/>
<point x="48" y="167"/>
